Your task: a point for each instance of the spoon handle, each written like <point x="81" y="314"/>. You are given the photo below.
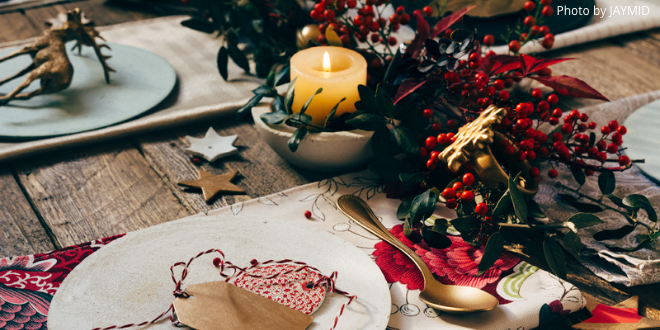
<point x="358" y="210"/>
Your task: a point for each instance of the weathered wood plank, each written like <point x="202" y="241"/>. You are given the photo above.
<point x="16" y="26"/>
<point x="615" y="71"/>
<point x="98" y="11"/>
<point x="262" y="171"/>
<point x="83" y="196"/>
<point x="21" y="232"/>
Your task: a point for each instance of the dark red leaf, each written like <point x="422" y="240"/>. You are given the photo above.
<point x="544" y="63"/>
<point x="448" y="21"/>
<point x="415" y="46"/>
<point x="499" y="64"/>
<point x="526" y="63"/>
<point x="407" y="86"/>
<point x="565" y="85"/>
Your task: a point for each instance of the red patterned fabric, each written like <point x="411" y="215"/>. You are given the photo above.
<point x="457" y="264"/>
<point x="293" y="290"/>
<point x="27" y="283"/>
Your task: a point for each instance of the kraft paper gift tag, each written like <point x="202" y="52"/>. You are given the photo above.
<point x="223" y="306"/>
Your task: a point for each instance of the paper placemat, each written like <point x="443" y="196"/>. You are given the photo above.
<point x="528" y="296"/>
<point x="200" y="92"/>
<point x="602" y="26"/>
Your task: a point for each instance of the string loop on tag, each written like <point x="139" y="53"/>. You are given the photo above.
<point x="225" y="266"/>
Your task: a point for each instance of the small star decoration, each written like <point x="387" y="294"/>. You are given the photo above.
<point x="622" y="316"/>
<point x="211" y="185"/>
<point x="212" y="146"/>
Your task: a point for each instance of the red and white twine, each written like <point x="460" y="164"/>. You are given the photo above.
<point x="327" y="281"/>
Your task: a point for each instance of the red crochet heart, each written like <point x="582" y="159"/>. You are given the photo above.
<point x="294" y="290"/>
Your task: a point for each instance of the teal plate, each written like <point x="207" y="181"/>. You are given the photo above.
<point x="643" y="138"/>
<point x="142" y="80"/>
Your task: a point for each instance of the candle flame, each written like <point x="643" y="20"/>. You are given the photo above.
<point x="326" y="62"/>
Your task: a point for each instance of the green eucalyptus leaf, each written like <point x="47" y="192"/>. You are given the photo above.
<point x="273" y="118"/>
<point x="618" y="201"/>
<point x="298" y="135"/>
<point x="573" y="242"/>
<point x="579" y="175"/>
<point x="592" y="139"/>
<point x="584" y="220"/>
<point x="244" y="110"/>
<point x="423" y="206"/>
<point x="403" y="211"/>
<point x="441" y="225"/>
<point x="614" y="233"/>
<point x="408" y="178"/>
<point x="641" y="202"/>
<point x="222" y="62"/>
<point x="368" y="121"/>
<point x="288" y="99"/>
<point x="464" y="224"/>
<point x="236" y="54"/>
<point x="407" y="227"/>
<point x="384" y="102"/>
<point x="554" y="255"/>
<point x="534" y="210"/>
<point x="332" y="112"/>
<point x="492" y="252"/>
<point x="435" y="239"/>
<point x="606" y="182"/>
<point x="309" y="100"/>
<point x="502" y="204"/>
<point x="367" y="100"/>
<point x="519" y="205"/>
<point x="405" y="140"/>
<point x="265" y="90"/>
<point x="283" y="75"/>
<point x="199" y="24"/>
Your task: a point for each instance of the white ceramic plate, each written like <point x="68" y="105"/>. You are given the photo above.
<point x="142" y="80"/>
<point x="129" y="280"/>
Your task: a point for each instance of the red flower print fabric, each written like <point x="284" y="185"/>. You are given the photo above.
<point x="456" y="265"/>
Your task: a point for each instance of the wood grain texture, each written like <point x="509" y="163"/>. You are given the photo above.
<point x="16" y="26"/>
<point x="87" y="195"/>
<point x="20" y="230"/>
<point x="262" y="171"/>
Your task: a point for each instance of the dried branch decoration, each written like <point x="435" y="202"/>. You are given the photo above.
<point x="50" y="63"/>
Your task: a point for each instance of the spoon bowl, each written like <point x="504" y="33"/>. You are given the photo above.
<point x="447" y="298"/>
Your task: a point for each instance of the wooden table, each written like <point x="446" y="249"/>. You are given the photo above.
<point x="74" y="196"/>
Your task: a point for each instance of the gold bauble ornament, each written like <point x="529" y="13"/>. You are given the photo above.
<point x="308" y="33"/>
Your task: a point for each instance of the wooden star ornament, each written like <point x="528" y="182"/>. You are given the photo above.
<point x="622" y="316"/>
<point x="212" y="146"/>
<point x="211" y="185"/>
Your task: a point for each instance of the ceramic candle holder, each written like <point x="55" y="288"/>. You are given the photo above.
<point x="323" y="152"/>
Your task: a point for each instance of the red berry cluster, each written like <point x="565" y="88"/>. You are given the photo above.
<point x="530" y="29"/>
<point x="367" y="26"/>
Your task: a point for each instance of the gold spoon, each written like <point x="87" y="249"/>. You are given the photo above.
<point x="447" y="298"/>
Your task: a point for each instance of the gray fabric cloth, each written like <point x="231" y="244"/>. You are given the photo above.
<point x="634" y="268"/>
<point x="200" y="92"/>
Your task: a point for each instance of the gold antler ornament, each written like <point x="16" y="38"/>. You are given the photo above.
<point x="478" y="142"/>
<point x="50" y="64"/>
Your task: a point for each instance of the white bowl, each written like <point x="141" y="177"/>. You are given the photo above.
<point x="324" y="152"/>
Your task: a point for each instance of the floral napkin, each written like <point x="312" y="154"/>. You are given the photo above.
<point x="528" y="296"/>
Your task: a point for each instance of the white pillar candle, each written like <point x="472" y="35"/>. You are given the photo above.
<point x="343" y="71"/>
